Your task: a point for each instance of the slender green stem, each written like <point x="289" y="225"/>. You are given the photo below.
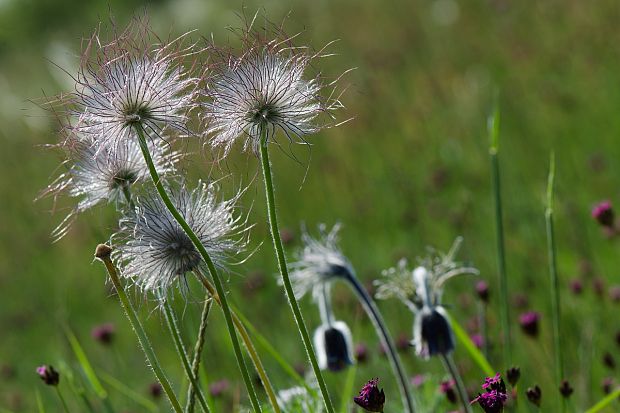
<point x="200" y="341"/>
<point x="178" y="342"/>
<point x="386" y="339"/>
<point x="207" y="259"/>
<point x="553" y="275"/>
<point x="258" y="365"/>
<point x="277" y="243"/>
<point x="482" y="315"/>
<point x="62" y="399"/>
<point x="453" y="371"/>
<point x="103" y="253"/>
<point x="499" y="226"/>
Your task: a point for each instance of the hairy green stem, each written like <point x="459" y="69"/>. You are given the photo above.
<point x="288" y="288"/>
<point x="499" y="227"/>
<point x="553" y="278"/>
<point x="258" y="365"/>
<point x="200" y="341"/>
<point x="103" y="253"/>
<point x="178" y="342"/>
<point x="386" y="339"/>
<point x="453" y="371"/>
<point x="207" y="259"/>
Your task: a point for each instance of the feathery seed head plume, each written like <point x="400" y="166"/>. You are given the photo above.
<point x="154" y="251"/>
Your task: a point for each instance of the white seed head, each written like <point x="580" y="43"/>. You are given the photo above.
<point x="266" y="88"/>
<point x="128" y="82"/>
<point x="319" y="261"/>
<point x="153" y="250"/>
<point x="97" y="175"/>
<point x="299" y="399"/>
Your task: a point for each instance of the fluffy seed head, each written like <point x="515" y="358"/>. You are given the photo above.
<point x="127" y="82"/>
<point x="265" y="88"/>
<point x="320" y="261"/>
<point x="105" y="174"/>
<point x="154" y="251"/>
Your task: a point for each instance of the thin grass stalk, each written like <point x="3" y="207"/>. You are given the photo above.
<point x="103" y="253"/>
<point x="453" y="371"/>
<point x="62" y="400"/>
<point x="245" y="337"/>
<point x="200" y="341"/>
<point x="553" y="278"/>
<point x="178" y="343"/>
<point x="482" y="319"/>
<point x="499" y="227"/>
<point x="386" y="339"/>
<point x="207" y="259"/>
<point x="279" y="250"/>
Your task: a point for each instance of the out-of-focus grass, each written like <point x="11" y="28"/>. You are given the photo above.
<point x="409" y="170"/>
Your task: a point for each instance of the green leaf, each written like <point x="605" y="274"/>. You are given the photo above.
<point x="604" y="402"/>
<point x="128" y="392"/>
<point x="471" y="348"/>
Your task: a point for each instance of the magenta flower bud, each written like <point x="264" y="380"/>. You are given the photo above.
<point x="576" y="286"/>
<point x="155" y="390"/>
<point x="218" y="388"/>
<point x="371" y="398"/>
<point x="482" y="289"/>
<point x="529" y="323"/>
<point x="361" y="353"/>
<point x="604" y="214"/>
<point x="103" y="333"/>
<point x="494" y="398"/>
<point x="49" y="376"/>
<point x="447" y="387"/>
<point x="478" y="340"/>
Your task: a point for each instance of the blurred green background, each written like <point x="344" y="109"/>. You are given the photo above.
<point x="411" y="169"/>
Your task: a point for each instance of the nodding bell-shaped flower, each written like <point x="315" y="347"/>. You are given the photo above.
<point x="333" y="345"/>
<point x="421" y="290"/>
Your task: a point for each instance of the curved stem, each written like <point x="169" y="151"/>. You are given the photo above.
<point x="248" y="344"/>
<point x="325" y="305"/>
<point x="176" y="336"/>
<point x="290" y="295"/>
<point x="451" y="368"/>
<point x="200" y="341"/>
<point x="375" y="316"/>
<point x="207" y="259"/>
<point x="103" y="253"/>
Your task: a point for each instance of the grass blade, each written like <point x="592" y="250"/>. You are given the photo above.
<point x="475" y="354"/>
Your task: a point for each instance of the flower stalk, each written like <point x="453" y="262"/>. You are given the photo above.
<point x="103" y="254"/>
<point x="453" y="371"/>
<point x="207" y="259"/>
<point x="277" y="243"/>
<point x="200" y="341"/>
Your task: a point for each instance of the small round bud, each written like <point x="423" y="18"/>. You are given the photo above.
<point x="482" y="289"/>
<point x="513" y="374"/>
<point x="49" y="376"/>
<point x="534" y="395"/>
<point x="103" y="251"/>
<point x="603" y="213"/>
<point x="565" y="389"/>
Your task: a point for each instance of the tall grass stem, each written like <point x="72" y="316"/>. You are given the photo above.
<point x="453" y="371"/>
<point x="277" y="243"/>
<point x="198" y="347"/>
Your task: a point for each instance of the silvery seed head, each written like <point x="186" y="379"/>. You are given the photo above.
<point x="319" y="261"/>
<point x="333" y="345"/>
<point x="106" y="174"/>
<point x="128" y="82"/>
<point x="299" y="399"/>
<point x="154" y="251"/>
<point x="265" y="88"/>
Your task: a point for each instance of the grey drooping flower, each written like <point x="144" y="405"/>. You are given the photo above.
<point x="319" y="261"/>
<point x="105" y="174"/>
<point x="333" y="345"/>
<point x="265" y="88"/>
<point x="421" y="291"/>
<point x="154" y="251"/>
<point x="128" y="82"/>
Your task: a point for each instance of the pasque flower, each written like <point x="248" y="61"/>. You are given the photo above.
<point x="265" y="88"/>
<point x="153" y="249"/>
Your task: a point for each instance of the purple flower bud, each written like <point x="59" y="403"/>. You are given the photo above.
<point x="494" y="398"/>
<point x="576" y="286"/>
<point x="447" y="387"/>
<point x="566" y="389"/>
<point x="513" y="374"/>
<point x="609" y="361"/>
<point x="607" y="384"/>
<point x="534" y="395"/>
<point x="155" y="390"/>
<point x="418" y="380"/>
<point x="604" y="214"/>
<point x="361" y="353"/>
<point x="482" y="289"/>
<point x="48" y="375"/>
<point x="218" y="388"/>
<point x="478" y="340"/>
<point x="371" y="398"/>
<point x="103" y="333"/>
<point x="529" y="323"/>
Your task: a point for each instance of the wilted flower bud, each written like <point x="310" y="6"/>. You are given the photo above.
<point x="534" y="395"/>
<point x="513" y="374"/>
<point x="48" y="375"/>
<point x="432" y="333"/>
<point x="333" y="346"/>
<point x="371" y="398"/>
